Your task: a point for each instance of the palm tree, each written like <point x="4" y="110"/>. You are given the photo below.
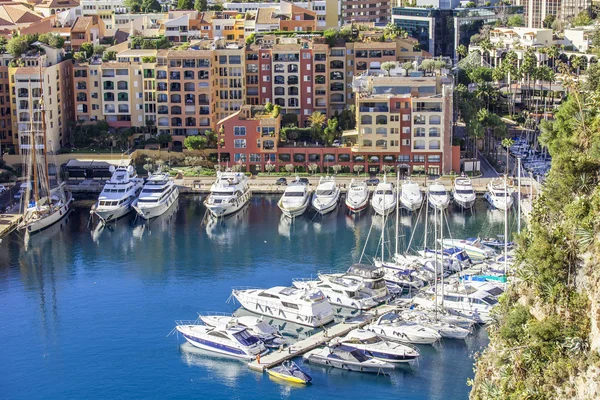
<point x="506" y="143"/>
<point x="576" y="64"/>
<point x="317" y="119"/>
<point x="553" y="53"/>
<point x="462" y="50"/>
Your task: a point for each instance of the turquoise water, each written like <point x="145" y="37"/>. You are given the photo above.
<point x="85" y="314"/>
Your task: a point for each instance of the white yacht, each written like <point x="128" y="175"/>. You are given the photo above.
<point x="391" y="326"/>
<point x="228" y="194"/>
<point x="268" y="334"/>
<point x="357" y="197"/>
<point x="411" y="197"/>
<point x="231" y="340"/>
<point x="377" y="347"/>
<point x="158" y="194"/>
<point x="46" y="211"/>
<point x="499" y="195"/>
<point x="118" y="194"/>
<point x="343" y="291"/>
<point x="326" y="195"/>
<point x="307" y="307"/>
<point x="295" y="199"/>
<point x="438" y="196"/>
<point x="348" y="358"/>
<point x="471" y="303"/>
<point x="463" y="192"/>
<point x="446" y="330"/>
<point x="370" y="276"/>
<point x="384" y="198"/>
<point x="471" y="246"/>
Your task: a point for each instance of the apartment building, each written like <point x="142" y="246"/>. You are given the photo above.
<point x="104" y="9"/>
<point x="250" y="137"/>
<point x="51" y="7"/>
<point x="407" y="117"/>
<point x="365" y="11"/>
<point x="6" y="132"/>
<point x="326" y="11"/>
<point x="535" y="11"/>
<point x="45" y="80"/>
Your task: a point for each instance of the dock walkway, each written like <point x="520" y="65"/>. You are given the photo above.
<point x="8" y="223"/>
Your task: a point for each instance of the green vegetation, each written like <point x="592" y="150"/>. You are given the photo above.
<point x="540" y="339"/>
<point x="109" y="56"/>
<point x="201" y="5"/>
<point x="185" y="4"/>
<point x="157" y="42"/>
<point x="99" y="136"/>
<point x="515" y="21"/>
<point x="145" y="6"/>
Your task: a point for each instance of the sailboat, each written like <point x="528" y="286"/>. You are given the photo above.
<point x="43" y="206"/>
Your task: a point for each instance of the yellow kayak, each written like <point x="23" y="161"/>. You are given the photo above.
<point x="289" y="372"/>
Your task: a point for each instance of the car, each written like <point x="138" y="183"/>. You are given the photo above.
<point x="303" y="180"/>
<point x="281" y="182"/>
<point x="336" y="143"/>
<point x="2" y="189"/>
<point x="373" y="182"/>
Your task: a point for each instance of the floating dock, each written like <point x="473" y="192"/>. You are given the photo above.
<point x="8" y="223"/>
<point x="318" y="339"/>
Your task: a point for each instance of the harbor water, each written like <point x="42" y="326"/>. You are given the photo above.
<point x="85" y="312"/>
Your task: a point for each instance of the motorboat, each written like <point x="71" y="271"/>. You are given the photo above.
<point x="289" y="371"/>
<point x="499" y="195"/>
<point x="411" y="197"/>
<point x="340" y="290"/>
<point x="437" y="196"/>
<point x="326" y="196"/>
<point x="46" y="211"/>
<point x="231" y="340"/>
<point x="498" y="242"/>
<point x="377" y="347"/>
<point x="445" y="329"/>
<point x="348" y="358"/>
<point x="472" y="246"/>
<point x="295" y="199"/>
<point x="469" y="302"/>
<point x="228" y="194"/>
<point x="119" y="194"/>
<point x="307" y="307"/>
<point x="463" y="192"/>
<point x="158" y="194"/>
<point x="393" y="327"/>
<point x="403" y="276"/>
<point x="268" y="334"/>
<point x="357" y="197"/>
<point x="384" y="198"/>
<point x="370" y="276"/>
<point x="442" y="314"/>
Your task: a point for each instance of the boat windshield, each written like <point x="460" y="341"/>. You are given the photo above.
<point x="371" y="340"/>
<point x="294" y="194"/>
<point x="465" y="191"/>
<point x="245" y="338"/>
<point x="359" y="356"/>
<point x="221" y="193"/>
<point x="489" y="300"/>
<point x="500" y="194"/>
<point x="324" y="192"/>
<point x="437" y="193"/>
<point x="147" y="190"/>
<point x="384" y="192"/>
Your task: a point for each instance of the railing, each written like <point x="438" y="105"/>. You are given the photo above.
<point x="374" y="109"/>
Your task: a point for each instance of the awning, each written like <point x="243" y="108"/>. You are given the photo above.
<point x="95" y="164"/>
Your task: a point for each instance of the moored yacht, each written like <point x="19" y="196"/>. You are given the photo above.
<point x="118" y="194"/>
<point x="228" y="194"/>
<point x="437" y="196"/>
<point x="46" y="211"/>
<point x="370" y="276"/>
<point x="340" y="290"/>
<point x="499" y="195"/>
<point x="357" y="197"/>
<point x="158" y="194"/>
<point x="384" y="198"/>
<point x="231" y="340"/>
<point x="348" y="358"/>
<point x="470" y="303"/>
<point x="326" y="196"/>
<point x="471" y="246"/>
<point x="295" y="199"/>
<point x="391" y="326"/>
<point x="377" y="347"/>
<point x="307" y="307"/>
<point x="411" y="197"/>
<point x="463" y="192"/>
<point x="268" y="334"/>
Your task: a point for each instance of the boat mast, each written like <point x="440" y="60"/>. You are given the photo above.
<point x="45" y="149"/>
<point x="382" y="229"/>
<point x="435" y="261"/>
<point x="505" y="227"/>
<point x="397" y="211"/>
<point x="519" y="194"/>
<point x="426" y="219"/>
<point x="36" y="194"/>
<point x="442" y="253"/>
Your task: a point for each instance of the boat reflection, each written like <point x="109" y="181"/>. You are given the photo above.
<point x="325" y="224"/>
<point x="161" y="223"/>
<point x="49" y="235"/>
<point x="225" y="230"/>
<point x="287" y="226"/>
<point x="226" y="368"/>
<point x="114" y="231"/>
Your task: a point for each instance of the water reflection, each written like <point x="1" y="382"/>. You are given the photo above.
<point x="162" y="223"/>
<point x="297" y="226"/>
<point x="227" y="369"/>
<point x="224" y="230"/>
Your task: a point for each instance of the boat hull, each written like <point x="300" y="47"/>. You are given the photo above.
<point x="224" y="209"/>
<point x="497" y="204"/>
<point x="410" y="205"/>
<point x="348" y="365"/>
<point x="113" y="214"/>
<point x="294" y="212"/>
<point x="356" y="207"/>
<point x="464" y="203"/>
<point x="149" y="212"/>
<point x="218" y="348"/>
<point x="325" y="208"/>
<point x="44" y="223"/>
<point x="384" y="211"/>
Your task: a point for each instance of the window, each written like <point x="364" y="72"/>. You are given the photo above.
<point x="405" y="117"/>
<point x="237" y="157"/>
<point x="265" y="67"/>
<point x="418" y="158"/>
<point x="436" y="158"/>
<point x="255" y="157"/>
<point x="239" y="131"/>
<point x="239" y="143"/>
<point x="306" y="56"/>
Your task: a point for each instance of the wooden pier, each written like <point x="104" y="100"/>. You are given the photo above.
<point x="297" y="349"/>
<point x="8" y="223"/>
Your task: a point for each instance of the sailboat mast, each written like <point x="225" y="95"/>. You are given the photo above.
<point x="505" y="229"/>
<point x="426" y="220"/>
<point x="36" y="194"/>
<point x="383" y="231"/>
<point x="442" y="253"/>
<point x="397" y="211"/>
<point x="45" y="149"/>
<point x="519" y="194"/>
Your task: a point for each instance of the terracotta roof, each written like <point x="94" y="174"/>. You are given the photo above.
<point x="82" y="23"/>
<point x="265" y="16"/>
<point x="121" y="36"/>
<point x="28" y="70"/>
<point x="12" y="14"/>
<point x="57" y="4"/>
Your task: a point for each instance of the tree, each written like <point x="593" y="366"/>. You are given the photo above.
<point x="548" y="21"/>
<point x="289" y="168"/>
<point x="52" y="40"/>
<point x="506" y="143"/>
<point x="336" y="168"/>
<point x="427" y="65"/>
<point x="407" y="67"/>
<point x="88" y="49"/>
<point x="98" y="49"/>
<point x="388" y="66"/>
<point x="185" y="4"/>
<point x="462" y="50"/>
<point x="553" y="53"/>
<point x="317" y="120"/>
<point x="164" y="139"/>
<point x="79" y="56"/>
<point x="269" y="167"/>
<point x="313" y="168"/>
<point x="150" y="6"/>
<point x="358" y="168"/>
<point x="201" y="5"/>
<point x="470" y="4"/>
<point x="195" y="142"/>
<point x="582" y="19"/>
<point x="17" y="46"/>
<point x="515" y="21"/>
<point x="3" y="43"/>
<point x="330" y="131"/>
<point x="269" y="107"/>
<point x="134" y="5"/>
<point x="109" y="56"/>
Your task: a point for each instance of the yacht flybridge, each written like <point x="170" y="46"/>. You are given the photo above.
<point x="340" y="290"/>
<point x="295" y="199"/>
<point x="357" y="197"/>
<point x="463" y="192"/>
<point x="438" y="196"/>
<point x="158" y="194"/>
<point x="499" y="195"/>
<point x="326" y="196"/>
<point x="411" y="197"/>
<point x="118" y="194"/>
<point x="228" y="194"/>
<point x="302" y="306"/>
<point x="384" y="198"/>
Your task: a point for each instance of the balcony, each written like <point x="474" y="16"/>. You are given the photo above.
<point x="374" y="109"/>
